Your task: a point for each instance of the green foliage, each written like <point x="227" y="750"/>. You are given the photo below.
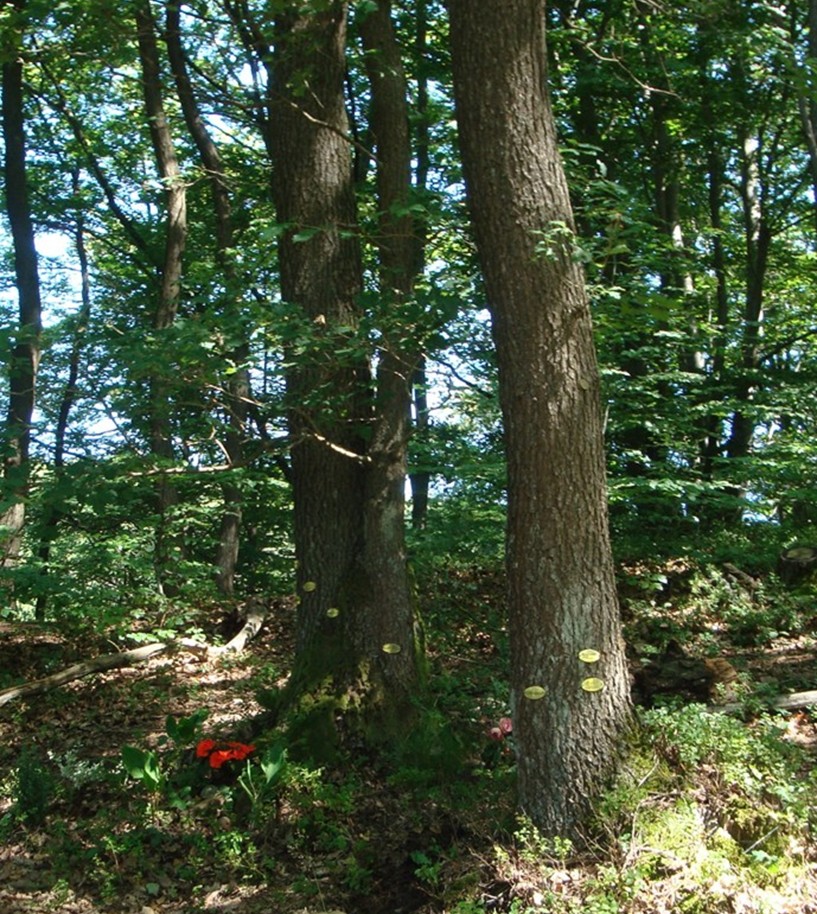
<point x="143" y="766"/>
<point x="261" y="780"/>
<point x="35" y="787"/>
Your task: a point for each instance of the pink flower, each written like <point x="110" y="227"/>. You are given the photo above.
<point x="505" y="725"/>
<point x="496" y="734"/>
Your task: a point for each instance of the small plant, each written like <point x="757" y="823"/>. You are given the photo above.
<point x="35" y="787"/>
<point x="426" y="868"/>
<point x="534" y="848"/>
<point x="143" y="766"/>
<point x="170" y="773"/>
<point x="259" y="781"/>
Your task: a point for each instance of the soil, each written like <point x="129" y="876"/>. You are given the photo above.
<point x="92" y="719"/>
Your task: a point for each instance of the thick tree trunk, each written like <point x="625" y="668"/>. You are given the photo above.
<point x="562" y="596"/>
<point x="25" y="353"/>
<point x="348" y="626"/>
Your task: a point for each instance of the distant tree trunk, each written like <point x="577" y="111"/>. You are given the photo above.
<point x="758" y="239"/>
<point x="806" y="101"/>
<point x="171" y="274"/>
<point x="562" y="595"/>
<point x="383" y="555"/>
<point x="25" y="353"/>
<point x="53" y="511"/>
<point x="420" y="477"/>
<point x="237" y="383"/>
<point x="342" y="630"/>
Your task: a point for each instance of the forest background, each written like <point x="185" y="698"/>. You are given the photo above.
<point x="161" y="385"/>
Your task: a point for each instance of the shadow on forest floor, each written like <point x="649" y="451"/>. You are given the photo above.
<point x="429" y="827"/>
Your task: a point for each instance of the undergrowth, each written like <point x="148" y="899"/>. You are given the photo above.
<point x="710" y="812"/>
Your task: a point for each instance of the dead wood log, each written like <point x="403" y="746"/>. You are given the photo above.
<point x="792" y="702"/>
<point x="256" y="612"/>
<point x="796" y="700"/>
<point x="86" y="668"/>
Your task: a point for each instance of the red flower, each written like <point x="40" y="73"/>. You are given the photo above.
<point x="504" y="728"/>
<point x="240" y="750"/>
<point x="219" y="757"/>
<point x="205" y="747"/>
<point x="226" y="752"/>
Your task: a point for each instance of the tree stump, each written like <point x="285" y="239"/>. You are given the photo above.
<point x="797" y="565"/>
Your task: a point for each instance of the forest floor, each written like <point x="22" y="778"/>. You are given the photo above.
<point x="714" y="812"/>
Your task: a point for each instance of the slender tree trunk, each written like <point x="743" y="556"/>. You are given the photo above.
<point x="25" y="353"/>
<point x="757" y="241"/>
<point x="53" y="512"/>
<point x="711" y="445"/>
<point x="420" y="477"/>
<point x="383" y="555"/>
<point x="171" y="274"/>
<point x="237" y="382"/>
<point x="806" y="101"/>
<point x="562" y="595"/>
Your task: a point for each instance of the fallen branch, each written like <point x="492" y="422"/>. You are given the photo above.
<point x="796" y="700"/>
<point x="86" y="668"/>
<point x="256" y="612"/>
<point x="792" y="702"/>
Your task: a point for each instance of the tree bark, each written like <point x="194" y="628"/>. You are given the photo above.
<point x="237" y="382"/>
<point x="348" y="627"/>
<point x="171" y="273"/>
<point x="420" y="477"/>
<point x="758" y="238"/>
<point x="383" y="555"/>
<point x="562" y="597"/>
<point x="25" y="353"/>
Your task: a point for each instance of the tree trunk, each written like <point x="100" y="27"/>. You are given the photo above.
<point x="53" y="510"/>
<point x="562" y="595"/>
<point x="420" y="478"/>
<point x="237" y="382"/>
<point x="171" y="274"/>
<point x="349" y="625"/>
<point x="758" y="239"/>
<point x="25" y="353"/>
<point x="384" y="553"/>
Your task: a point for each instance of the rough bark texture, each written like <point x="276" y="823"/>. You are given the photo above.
<point x="384" y="552"/>
<point x="562" y="597"/>
<point x="25" y="354"/>
<point x="344" y="619"/>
